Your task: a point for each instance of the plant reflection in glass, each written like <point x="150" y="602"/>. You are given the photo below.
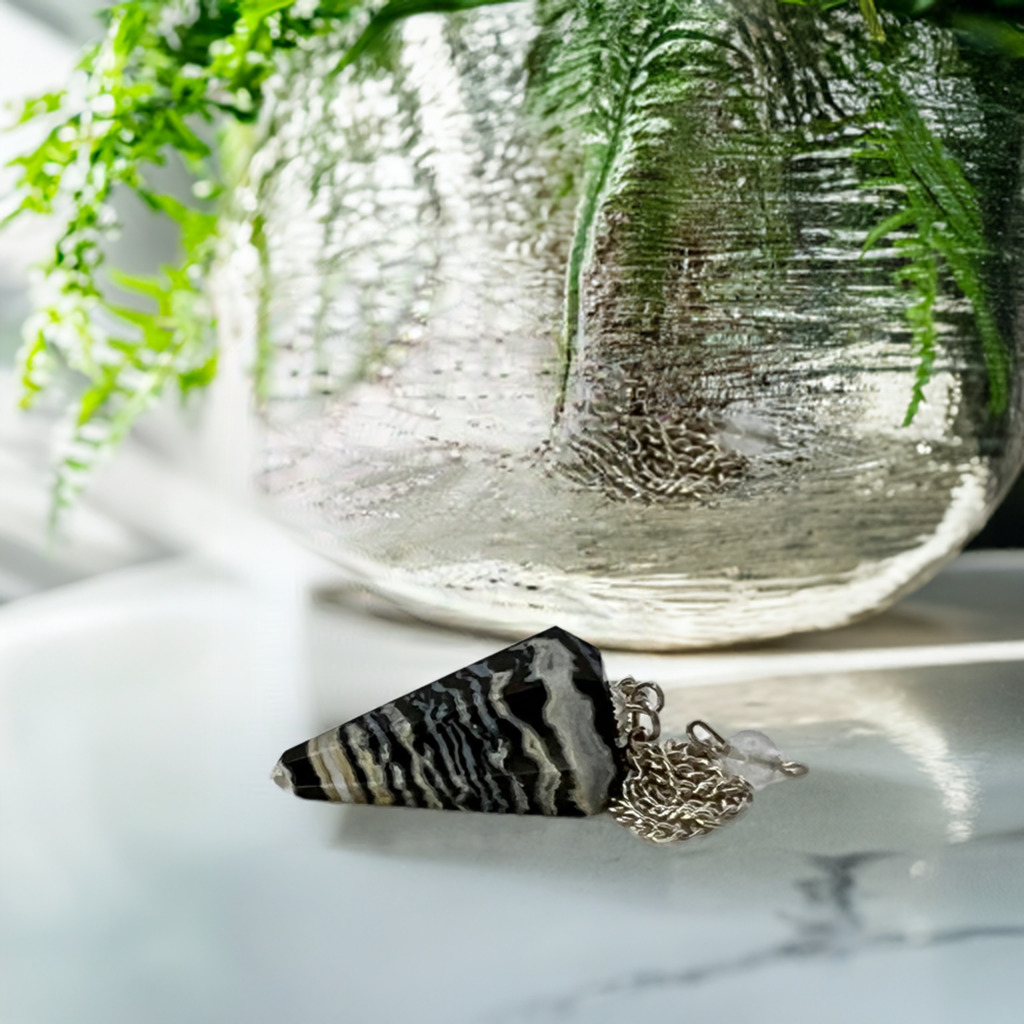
<point x="674" y="323"/>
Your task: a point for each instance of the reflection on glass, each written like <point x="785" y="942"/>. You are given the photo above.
<point x="595" y="319"/>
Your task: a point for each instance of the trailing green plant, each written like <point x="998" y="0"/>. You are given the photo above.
<point x="618" y="66"/>
<point x="168" y="73"/>
<point x="938" y="225"/>
<point x="867" y="9"/>
<point x="163" y="71"/>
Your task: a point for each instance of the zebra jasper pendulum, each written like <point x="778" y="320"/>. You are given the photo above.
<point x="538" y="729"/>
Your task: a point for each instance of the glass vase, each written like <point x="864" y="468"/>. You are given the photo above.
<point x="673" y="324"/>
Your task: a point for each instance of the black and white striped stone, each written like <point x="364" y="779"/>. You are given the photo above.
<point x="528" y="730"/>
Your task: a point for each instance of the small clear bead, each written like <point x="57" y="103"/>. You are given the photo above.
<point x="753" y="756"/>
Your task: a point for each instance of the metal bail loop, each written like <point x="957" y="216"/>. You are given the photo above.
<point x="640" y="701"/>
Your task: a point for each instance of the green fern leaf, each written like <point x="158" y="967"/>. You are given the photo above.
<point x="607" y="69"/>
<point x="943" y="217"/>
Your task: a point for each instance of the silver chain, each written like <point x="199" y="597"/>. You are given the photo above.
<point x="673" y="790"/>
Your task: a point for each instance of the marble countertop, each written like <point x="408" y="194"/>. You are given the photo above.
<point x="149" y="871"/>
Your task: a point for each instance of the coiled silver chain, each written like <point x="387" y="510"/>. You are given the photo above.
<point x="673" y="790"/>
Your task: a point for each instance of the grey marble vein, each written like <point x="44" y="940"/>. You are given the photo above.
<point x="832" y="927"/>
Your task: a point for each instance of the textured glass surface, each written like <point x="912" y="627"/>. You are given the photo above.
<point x="567" y="316"/>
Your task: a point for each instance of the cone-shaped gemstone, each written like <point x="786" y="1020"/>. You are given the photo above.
<point x="529" y="730"/>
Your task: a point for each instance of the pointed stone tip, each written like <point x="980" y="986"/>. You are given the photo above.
<point x="282" y="777"/>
